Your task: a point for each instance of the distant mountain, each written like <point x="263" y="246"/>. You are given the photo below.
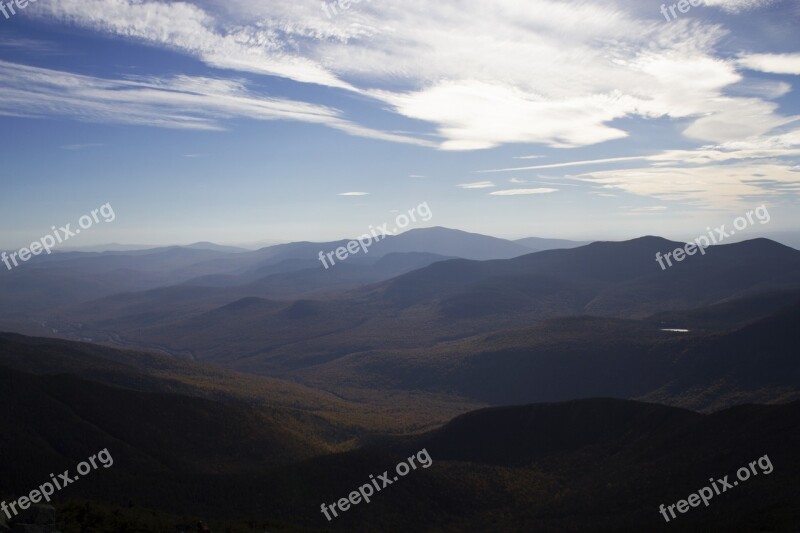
<point x="538" y="244"/>
<point x="116" y="247"/>
<point x="68" y="278"/>
<point x="450" y="242"/>
<point x="608" y="278"/>
<point x="397" y="263"/>
<point x="289" y="280"/>
<point x="456" y="299"/>
<point x="283" y="271"/>
<point x="788" y="238"/>
<point x="445" y="301"/>
<point x="111" y="247"/>
<point x="440" y="242"/>
<point x="33" y="287"/>
<point x="215" y="247"/>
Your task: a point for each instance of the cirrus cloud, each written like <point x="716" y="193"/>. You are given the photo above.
<point x="521" y="192"/>
<point x="556" y="73"/>
<point x="477" y="185"/>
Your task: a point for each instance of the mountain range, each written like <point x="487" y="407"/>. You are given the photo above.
<point x="573" y="388"/>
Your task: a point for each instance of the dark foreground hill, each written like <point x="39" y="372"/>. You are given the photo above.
<point x="591" y="465"/>
<point x="336" y="420"/>
<point x="607" y="465"/>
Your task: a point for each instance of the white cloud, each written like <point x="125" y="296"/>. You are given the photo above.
<point x="760" y="88"/>
<point x="477" y="185"/>
<point x="772" y="63"/>
<point x="180" y="102"/>
<point x="646" y="209"/>
<point x="554" y="72"/>
<point x="518" y="192"/>
<point x="189" y="28"/>
<point x="476" y="115"/>
<point x="754" y="147"/>
<point x="702" y="186"/>
<point x="568" y="164"/>
<point x="744" y="118"/>
<point x="353" y="194"/>
<point x="719" y="176"/>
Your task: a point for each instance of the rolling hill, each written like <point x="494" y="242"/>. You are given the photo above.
<point x="589" y="465"/>
<point x="584" y="357"/>
<point x="455" y="299"/>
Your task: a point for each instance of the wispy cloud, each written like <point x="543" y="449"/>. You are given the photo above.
<point x="179" y="102"/>
<point x="81" y="146"/>
<point x="31" y="45"/>
<point x="353" y="194"/>
<point x="720" y="175"/>
<point x="758" y="147"/>
<point x="645" y="209"/>
<point x="706" y="186"/>
<point x="188" y="28"/>
<point x="569" y="164"/>
<point x="477" y="185"/>
<point x="560" y="183"/>
<point x="518" y="192"/>
<point x="595" y="63"/>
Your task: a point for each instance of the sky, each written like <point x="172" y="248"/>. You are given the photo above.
<point x="241" y="121"/>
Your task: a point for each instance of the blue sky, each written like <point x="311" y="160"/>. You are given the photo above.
<point x="239" y="121"/>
